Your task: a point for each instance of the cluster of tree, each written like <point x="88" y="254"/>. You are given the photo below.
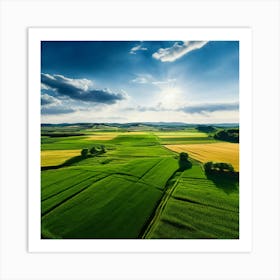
<point x="93" y="151"/>
<point x="230" y="135"/>
<point x="218" y="166"/>
<point x="184" y="162"/>
<point x="206" y="128"/>
<point x="220" y="170"/>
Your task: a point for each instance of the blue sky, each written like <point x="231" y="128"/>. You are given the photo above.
<point x="138" y="81"/>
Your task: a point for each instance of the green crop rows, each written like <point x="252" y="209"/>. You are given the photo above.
<point x="134" y="190"/>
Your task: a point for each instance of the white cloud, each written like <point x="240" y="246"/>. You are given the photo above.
<point x="149" y="79"/>
<point x="137" y="48"/>
<point x="140" y="80"/>
<point x="177" y="50"/>
<point x="47" y="99"/>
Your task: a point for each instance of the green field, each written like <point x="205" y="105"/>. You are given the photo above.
<point x="133" y="190"/>
<point x="197" y="208"/>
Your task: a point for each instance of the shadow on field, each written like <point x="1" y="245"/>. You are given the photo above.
<point x="226" y="181"/>
<point x="66" y="163"/>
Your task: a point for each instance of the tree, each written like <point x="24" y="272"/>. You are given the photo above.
<point x="218" y="167"/>
<point x="102" y="149"/>
<point x="184" y="156"/>
<point x="84" y="153"/>
<point x="93" y="150"/>
<point x="184" y="162"/>
<point x="208" y="166"/>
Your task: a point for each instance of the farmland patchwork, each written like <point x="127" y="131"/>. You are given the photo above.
<point x="131" y="185"/>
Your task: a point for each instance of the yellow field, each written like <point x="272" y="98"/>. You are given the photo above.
<point x="56" y="157"/>
<point x="216" y="152"/>
<point x="111" y="135"/>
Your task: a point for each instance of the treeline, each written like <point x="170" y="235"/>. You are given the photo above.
<point x="62" y="134"/>
<point x="229" y="135"/>
<point x="206" y="128"/>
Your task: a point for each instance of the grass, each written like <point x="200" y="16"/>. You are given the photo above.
<point x="198" y="209"/>
<point x="218" y="152"/>
<point x="112" y="200"/>
<point x="111" y="208"/>
<point x="116" y="194"/>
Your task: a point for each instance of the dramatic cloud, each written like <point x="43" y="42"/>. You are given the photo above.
<point x="80" y="89"/>
<point x="52" y="106"/>
<point x="47" y="99"/>
<point x="209" y="108"/>
<point x="177" y="50"/>
<point x="137" y="48"/>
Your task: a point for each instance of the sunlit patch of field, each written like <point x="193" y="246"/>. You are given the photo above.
<point x="180" y="134"/>
<point x="133" y="133"/>
<point x="102" y="136"/>
<point x="216" y="152"/>
<point x="111" y="135"/>
<point x="56" y="157"/>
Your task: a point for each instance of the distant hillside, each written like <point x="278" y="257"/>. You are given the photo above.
<point x="138" y="124"/>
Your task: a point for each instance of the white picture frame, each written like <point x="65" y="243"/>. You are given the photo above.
<point x="261" y="262"/>
<point x="243" y="244"/>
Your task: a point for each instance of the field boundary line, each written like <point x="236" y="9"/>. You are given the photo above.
<point x="167" y="194"/>
<point x="157" y="163"/>
<point x="69" y="187"/>
<point x="57" y="182"/>
<point x="187" y="200"/>
<point x="72" y="196"/>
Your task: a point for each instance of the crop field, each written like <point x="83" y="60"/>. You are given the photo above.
<point x="219" y="152"/>
<point x="135" y="188"/>
<point x="108" y="196"/>
<point x="103" y="136"/>
<point x="56" y="157"/>
<point x="199" y="209"/>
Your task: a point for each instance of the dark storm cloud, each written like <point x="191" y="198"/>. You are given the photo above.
<point x="209" y="108"/>
<point x="80" y="89"/>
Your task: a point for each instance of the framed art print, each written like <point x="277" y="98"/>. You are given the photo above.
<point x="140" y="139"/>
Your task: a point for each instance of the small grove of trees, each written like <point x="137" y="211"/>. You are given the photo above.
<point x="230" y="135"/>
<point x="220" y="170"/>
<point x="215" y="167"/>
<point x="184" y="162"/>
<point x="93" y="151"/>
<point x="218" y="166"/>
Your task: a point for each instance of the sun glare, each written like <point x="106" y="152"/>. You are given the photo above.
<point x="171" y="97"/>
